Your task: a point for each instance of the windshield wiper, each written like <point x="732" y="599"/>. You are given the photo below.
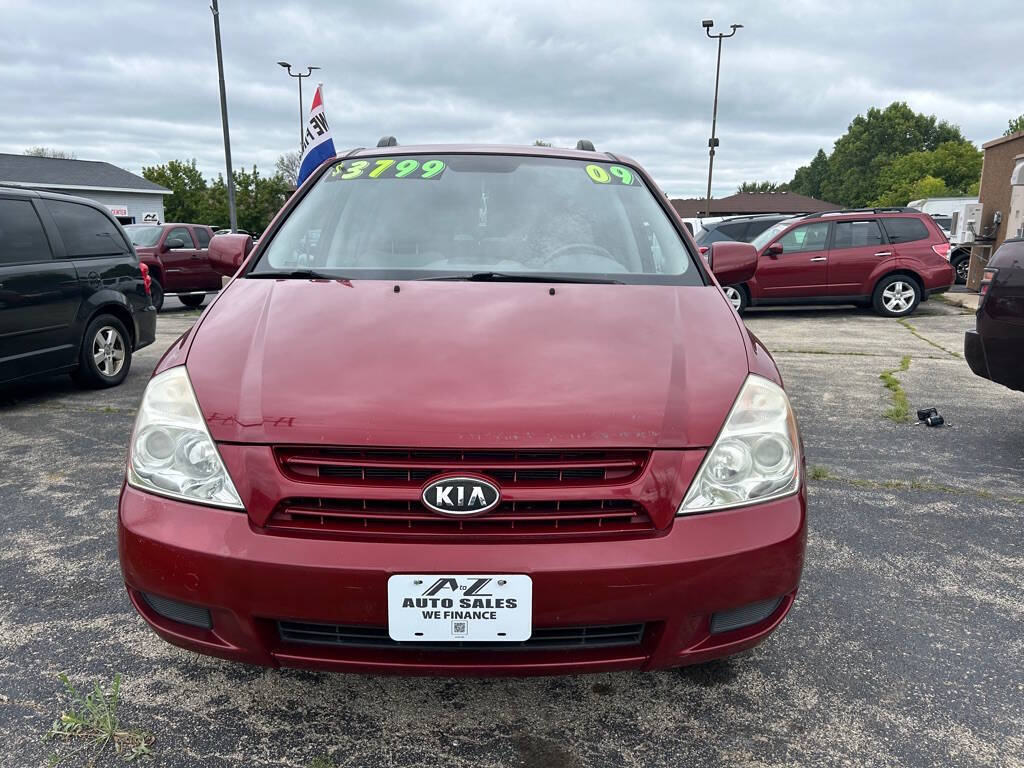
<point x="506" y="277"/>
<point x="298" y="274"/>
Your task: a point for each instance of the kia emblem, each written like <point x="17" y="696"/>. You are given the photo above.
<point x="460" y="496"/>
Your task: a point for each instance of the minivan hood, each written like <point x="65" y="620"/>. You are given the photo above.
<point x="467" y="364"/>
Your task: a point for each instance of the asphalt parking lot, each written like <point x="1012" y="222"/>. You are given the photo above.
<point x="904" y="647"/>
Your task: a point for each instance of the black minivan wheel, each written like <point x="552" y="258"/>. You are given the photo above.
<point x="896" y="296"/>
<point x="106" y="354"/>
<point x="192" y="299"/>
<point x="156" y="293"/>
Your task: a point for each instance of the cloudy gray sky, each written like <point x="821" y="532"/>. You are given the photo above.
<point x="135" y="83"/>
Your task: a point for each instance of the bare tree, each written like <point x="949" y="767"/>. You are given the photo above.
<point x="288" y="166"/>
<point x="60" y="154"/>
<point x="541" y="143"/>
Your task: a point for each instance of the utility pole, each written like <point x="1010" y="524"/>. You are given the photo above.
<point x="302" y="113"/>
<point x="224" y="118"/>
<point x="713" y="142"/>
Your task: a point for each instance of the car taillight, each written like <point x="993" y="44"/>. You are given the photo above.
<point x="986" y="281"/>
<point x="147" y="281"/>
<point x="942" y="249"/>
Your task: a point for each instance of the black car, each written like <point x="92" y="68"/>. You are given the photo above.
<point x="742" y="229"/>
<point x="73" y="296"/>
<point x="995" y="350"/>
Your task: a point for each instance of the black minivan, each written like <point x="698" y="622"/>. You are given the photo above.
<point x="73" y="296"/>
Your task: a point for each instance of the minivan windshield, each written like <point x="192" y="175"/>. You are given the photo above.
<point x="143" y="235"/>
<point x="462" y="216"/>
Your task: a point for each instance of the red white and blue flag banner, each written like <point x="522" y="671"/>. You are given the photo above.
<point x="317" y="144"/>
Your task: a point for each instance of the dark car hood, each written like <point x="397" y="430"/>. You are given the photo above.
<point x="459" y="364"/>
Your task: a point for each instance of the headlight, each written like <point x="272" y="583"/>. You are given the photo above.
<point x="755" y="458"/>
<point x="172" y="453"/>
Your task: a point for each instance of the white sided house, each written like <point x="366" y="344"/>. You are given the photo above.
<point x="132" y="199"/>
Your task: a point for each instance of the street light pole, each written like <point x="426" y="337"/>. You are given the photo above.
<point x="713" y="142"/>
<point x="302" y="120"/>
<point x="224" y="119"/>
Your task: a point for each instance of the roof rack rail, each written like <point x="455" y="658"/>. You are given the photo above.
<point x="586" y="145"/>
<point x="841" y="211"/>
<point x="387" y="141"/>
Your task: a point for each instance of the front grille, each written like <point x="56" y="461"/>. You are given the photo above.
<point x="402" y="519"/>
<point x="543" y="638"/>
<point x="511" y="469"/>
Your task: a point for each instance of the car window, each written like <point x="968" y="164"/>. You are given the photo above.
<point x="709" y="236"/>
<point x="809" y="237"/>
<point x="203" y="236"/>
<point x="143" y="235"/>
<point x="905" y="230"/>
<point x="427" y="215"/>
<point x="182" y="234"/>
<point x="755" y="227"/>
<point x="22" y="239"/>
<point x="85" y="230"/>
<point x="857" y="234"/>
<point x="733" y="230"/>
<point x="770" y="234"/>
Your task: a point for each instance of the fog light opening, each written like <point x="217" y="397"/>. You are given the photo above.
<point x="183" y="613"/>
<point x="744" y="616"/>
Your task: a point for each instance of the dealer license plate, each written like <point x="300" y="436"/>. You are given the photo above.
<point x="441" y="607"/>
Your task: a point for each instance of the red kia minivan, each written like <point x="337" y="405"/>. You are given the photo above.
<point x="468" y="410"/>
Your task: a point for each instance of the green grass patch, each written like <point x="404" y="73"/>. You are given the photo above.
<point x="819" y="472"/>
<point x="899" y="412"/>
<point x="89" y="728"/>
<point x="906" y="324"/>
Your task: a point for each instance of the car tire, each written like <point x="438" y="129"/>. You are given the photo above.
<point x="156" y="293"/>
<point x="192" y="300"/>
<point x="106" y="354"/>
<point x="896" y="296"/>
<point x="737" y="296"/>
<point x="960" y="263"/>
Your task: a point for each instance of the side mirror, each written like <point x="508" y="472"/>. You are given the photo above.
<point x="731" y="262"/>
<point x="227" y="252"/>
<point x="173" y="242"/>
<point x="774" y="250"/>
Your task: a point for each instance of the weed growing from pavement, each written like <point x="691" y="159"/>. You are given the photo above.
<point x="824" y="473"/>
<point x="322" y="762"/>
<point x="819" y="472"/>
<point x="906" y="324"/>
<point x="90" y="726"/>
<point x="900" y="410"/>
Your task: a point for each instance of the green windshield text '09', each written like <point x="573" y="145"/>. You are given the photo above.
<point x="611" y="174"/>
<point x="387" y="168"/>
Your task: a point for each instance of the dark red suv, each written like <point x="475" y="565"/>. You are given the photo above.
<point x="467" y="410"/>
<point x="178" y="260"/>
<point x="891" y="259"/>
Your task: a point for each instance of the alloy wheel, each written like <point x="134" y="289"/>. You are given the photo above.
<point x="898" y="297"/>
<point x="108" y="351"/>
<point x="733" y="295"/>
<point x="962" y="268"/>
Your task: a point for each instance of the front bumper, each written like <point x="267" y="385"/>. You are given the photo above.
<point x="671" y="582"/>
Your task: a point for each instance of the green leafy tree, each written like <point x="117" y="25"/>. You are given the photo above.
<point x="957" y="164"/>
<point x="808" y="178"/>
<point x="1015" y="125"/>
<point x="541" y="143"/>
<point x="257" y="200"/>
<point x="187" y="201"/>
<point x="870" y="144"/>
<point x="761" y="186"/>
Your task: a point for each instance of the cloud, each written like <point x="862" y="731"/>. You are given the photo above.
<point x="137" y="85"/>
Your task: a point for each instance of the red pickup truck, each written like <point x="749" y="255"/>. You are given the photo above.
<point x="178" y="260"/>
